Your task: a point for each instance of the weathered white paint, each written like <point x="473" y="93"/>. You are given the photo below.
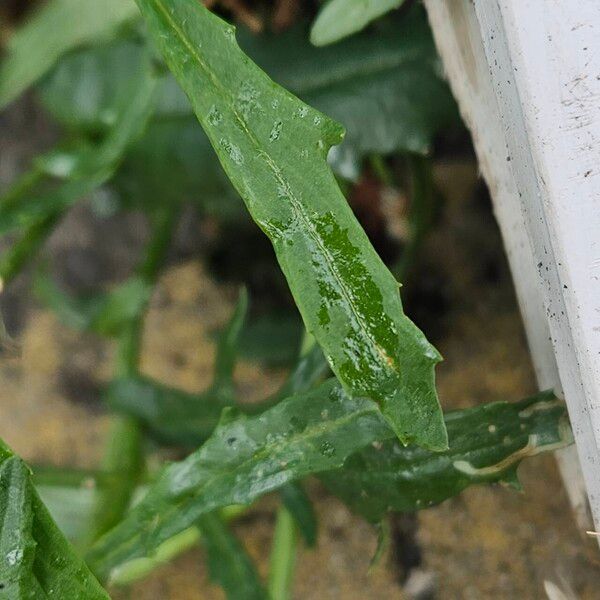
<point x="526" y="74"/>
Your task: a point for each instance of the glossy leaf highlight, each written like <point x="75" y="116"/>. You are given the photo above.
<point x="268" y="141"/>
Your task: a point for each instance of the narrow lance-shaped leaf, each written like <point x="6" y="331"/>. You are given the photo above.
<point x="58" y="27"/>
<point x="341" y="18"/>
<point x="300" y="507"/>
<point x="36" y="561"/>
<point x="315" y="432"/>
<point x="228" y="562"/>
<point x="273" y="148"/>
<point x="487" y="443"/>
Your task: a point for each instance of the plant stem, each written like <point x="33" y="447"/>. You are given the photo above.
<point x="283" y="556"/>
<point x="124" y="452"/>
<point x="25" y="248"/>
<point x="422" y="212"/>
<point x="381" y="170"/>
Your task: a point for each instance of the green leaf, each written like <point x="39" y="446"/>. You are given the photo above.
<point x="273" y="148"/>
<point x="385" y="86"/>
<point x="36" y="561"/>
<point x="81" y="171"/>
<point x="105" y="314"/>
<point x="341" y="18"/>
<point x="228" y="561"/>
<point x="178" y="418"/>
<point x="173" y="417"/>
<point x="244" y="459"/>
<point x="487" y="443"/>
<point x="300" y="507"/>
<point x="316" y="432"/>
<point x="174" y="161"/>
<point x="272" y="338"/>
<point x="228" y="345"/>
<point x="59" y="26"/>
<point x="89" y="89"/>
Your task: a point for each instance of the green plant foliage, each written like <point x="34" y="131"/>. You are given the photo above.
<point x="283" y="556"/>
<point x="384" y="86"/>
<point x="70" y="497"/>
<point x="177" y="418"/>
<point x="105" y="314"/>
<point x="341" y="18"/>
<point x="315" y="432"/>
<point x="300" y="507"/>
<point x="174" y="161"/>
<point x="487" y="443"/>
<point x="348" y="299"/>
<point x="228" y="562"/>
<point x="174" y="417"/>
<point x="79" y="172"/>
<point x="89" y="88"/>
<point x="244" y="459"/>
<point x="36" y="47"/>
<point x="36" y="561"/>
<point x="374" y="434"/>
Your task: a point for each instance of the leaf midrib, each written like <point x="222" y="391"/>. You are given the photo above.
<point x="311" y="431"/>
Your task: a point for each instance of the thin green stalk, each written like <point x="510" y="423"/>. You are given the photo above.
<point x="283" y="556"/>
<point x="21" y="187"/>
<point x="381" y="170"/>
<point x="22" y="251"/>
<point x="422" y="211"/>
<point x="124" y="451"/>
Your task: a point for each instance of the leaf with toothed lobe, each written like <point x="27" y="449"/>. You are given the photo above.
<point x="273" y="147"/>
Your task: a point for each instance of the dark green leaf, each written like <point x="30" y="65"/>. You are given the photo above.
<point x="174" y="161"/>
<point x="36" y="561"/>
<point x="272" y="339"/>
<point x="56" y="28"/>
<point x="228" y="562"/>
<point x="341" y="18"/>
<point x="273" y="148"/>
<point x="315" y="432"/>
<point x="298" y="504"/>
<point x="486" y="445"/>
<point x="172" y="417"/>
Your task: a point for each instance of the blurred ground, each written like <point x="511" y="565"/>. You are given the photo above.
<point x="487" y="543"/>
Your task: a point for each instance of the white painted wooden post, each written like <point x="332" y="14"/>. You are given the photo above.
<point x="526" y="74"/>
